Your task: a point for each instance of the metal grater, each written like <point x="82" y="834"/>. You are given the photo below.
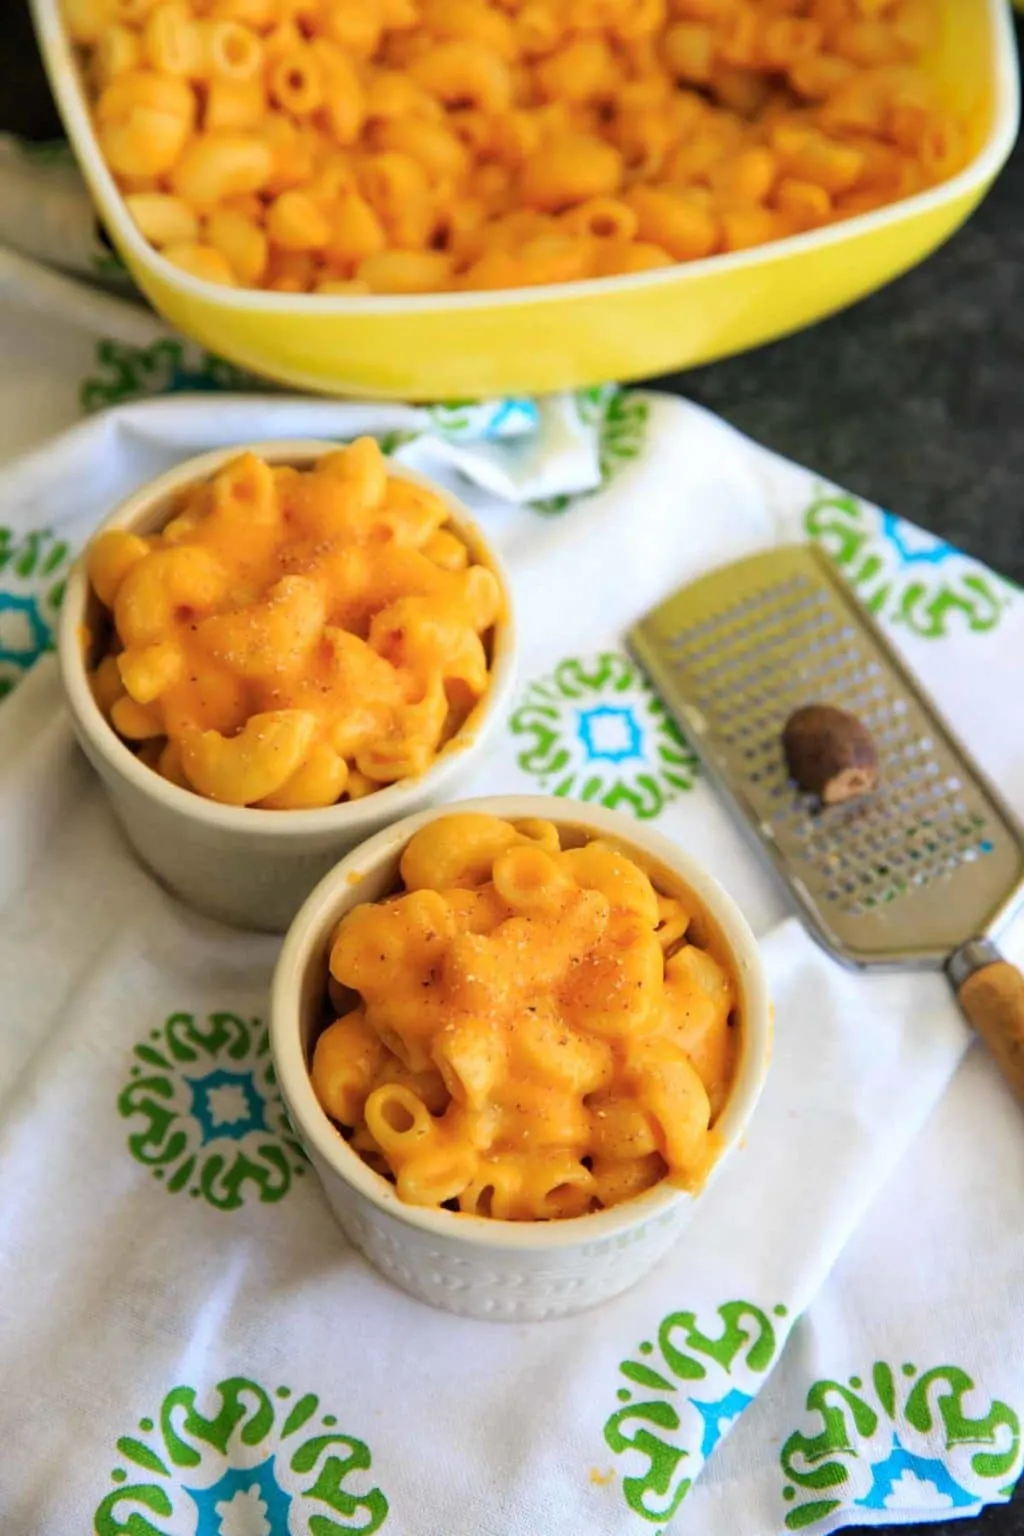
<point x="903" y="878"/>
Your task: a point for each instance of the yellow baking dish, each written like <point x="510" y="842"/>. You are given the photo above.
<point x="446" y="346"/>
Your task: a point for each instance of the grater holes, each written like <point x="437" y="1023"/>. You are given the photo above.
<point x="792" y="607"/>
<point x="748" y="699"/>
<point x="745" y="692"/>
<point x="810" y="672"/>
<point x="869" y="857"/>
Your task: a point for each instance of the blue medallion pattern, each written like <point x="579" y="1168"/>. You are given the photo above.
<point x="906" y="576"/>
<point x="907" y="1440"/>
<point x="595" y="730"/>
<point x="236" y="1459"/>
<point x="206" y="1114"/>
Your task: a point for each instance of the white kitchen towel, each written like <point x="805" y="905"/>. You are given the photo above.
<point x="186" y="1343"/>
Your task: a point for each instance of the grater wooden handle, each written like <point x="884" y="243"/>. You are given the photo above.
<point x="993" y="1000"/>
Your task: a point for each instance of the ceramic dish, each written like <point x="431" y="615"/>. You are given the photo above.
<point x="475" y="1266"/>
<point x="450" y="346"/>
<point x="250" y="867"/>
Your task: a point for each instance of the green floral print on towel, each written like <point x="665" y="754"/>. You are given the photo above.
<point x="906" y="1439"/>
<point x="32" y="571"/>
<point x="595" y="730"/>
<point x="904" y="575"/>
<point x="237" y="1459"/>
<point x="168" y="366"/>
<point x="682" y="1395"/>
<point x="205" y="1112"/>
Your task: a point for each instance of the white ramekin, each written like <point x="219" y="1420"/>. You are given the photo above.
<point x="474" y="1266"/>
<point x="248" y="867"/>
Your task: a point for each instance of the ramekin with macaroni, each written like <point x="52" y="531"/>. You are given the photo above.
<point x="270" y="653"/>
<point x="517" y="1038"/>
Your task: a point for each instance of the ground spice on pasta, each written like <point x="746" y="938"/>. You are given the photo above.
<point x="529" y="1030"/>
<point x="293" y="638"/>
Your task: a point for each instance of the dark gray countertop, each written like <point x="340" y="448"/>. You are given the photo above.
<point x="913" y="398"/>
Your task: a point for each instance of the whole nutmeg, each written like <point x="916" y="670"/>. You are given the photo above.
<point x="830" y="753"/>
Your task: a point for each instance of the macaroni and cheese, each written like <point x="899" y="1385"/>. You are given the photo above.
<point x="293" y="638"/>
<point x="529" y="1029"/>
<point x="410" y="146"/>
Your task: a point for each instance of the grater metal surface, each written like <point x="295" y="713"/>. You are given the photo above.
<point x="901" y="878"/>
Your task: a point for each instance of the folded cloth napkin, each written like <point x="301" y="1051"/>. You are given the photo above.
<point x="187" y="1344"/>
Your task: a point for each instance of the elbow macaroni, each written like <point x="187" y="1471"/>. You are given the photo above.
<point x="528" y="1030"/>
<point x="293" y="638"/>
<point x="412" y="132"/>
